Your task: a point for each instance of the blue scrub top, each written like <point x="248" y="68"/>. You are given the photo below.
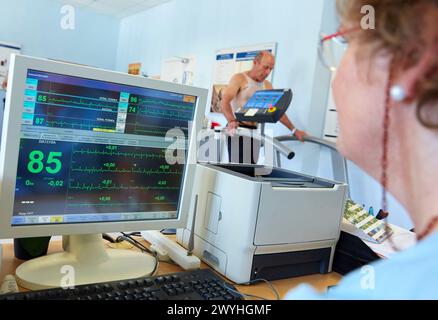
<point x="409" y="275"/>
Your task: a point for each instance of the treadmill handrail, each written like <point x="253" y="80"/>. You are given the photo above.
<point x="311" y="139"/>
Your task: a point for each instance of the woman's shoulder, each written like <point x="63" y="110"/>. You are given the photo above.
<point x="411" y="274"/>
<point x="401" y="276"/>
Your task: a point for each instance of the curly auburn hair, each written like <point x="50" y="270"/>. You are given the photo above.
<point x="399" y="26"/>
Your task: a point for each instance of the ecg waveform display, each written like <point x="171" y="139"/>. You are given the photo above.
<point x="154" y="117"/>
<point x="117" y="170"/>
<point x="65" y="178"/>
<point x="92" y="105"/>
<point x="73" y="107"/>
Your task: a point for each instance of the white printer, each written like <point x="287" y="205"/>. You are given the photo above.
<point x="254" y="222"/>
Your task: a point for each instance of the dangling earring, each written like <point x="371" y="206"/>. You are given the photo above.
<point x="398" y="94"/>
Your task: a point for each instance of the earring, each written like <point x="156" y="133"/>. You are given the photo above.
<point x="398" y="94"/>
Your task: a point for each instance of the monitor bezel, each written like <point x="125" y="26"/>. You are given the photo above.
<point x="19" y="67"/>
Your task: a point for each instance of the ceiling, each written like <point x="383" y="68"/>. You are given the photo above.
<point x="115" y="8"/>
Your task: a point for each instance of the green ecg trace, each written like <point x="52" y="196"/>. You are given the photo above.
<point x="132" y="170"/>
<point x="92" y="187"/>
<point x="159" y="132"/>
<point x="90" y="104"/>
<point x="172" y="115"/>
<point x="116" y="204"/>
<point x="150" y="101"/>
<point x="116" y="153"/>
<point x="62" y="124"/>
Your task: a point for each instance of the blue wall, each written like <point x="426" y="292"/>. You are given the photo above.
<point x="200" y="27"/>
<point x="35" y="25"/>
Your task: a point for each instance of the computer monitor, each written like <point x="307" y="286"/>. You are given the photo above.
<point x="88" y="151"/>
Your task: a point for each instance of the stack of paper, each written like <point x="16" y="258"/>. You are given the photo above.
<point x="373" y="232"/>
<point x="364" y="224"/>
<point x="401" y="239"/>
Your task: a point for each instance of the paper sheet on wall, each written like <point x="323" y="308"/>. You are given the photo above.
<point x="242" y="66"/>
<point x="224" y="69"/>
<point x="178" y="70"/>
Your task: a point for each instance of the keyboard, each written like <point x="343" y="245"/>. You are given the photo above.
<point x="202" y="284"/>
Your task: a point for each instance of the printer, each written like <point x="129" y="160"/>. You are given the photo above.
<point x="252" y="222"/>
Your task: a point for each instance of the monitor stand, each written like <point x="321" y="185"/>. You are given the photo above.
<point x="84" y="260"/>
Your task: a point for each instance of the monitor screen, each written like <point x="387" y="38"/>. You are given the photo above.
<point x="264" y="99"/>
<point x="95" y="151"/>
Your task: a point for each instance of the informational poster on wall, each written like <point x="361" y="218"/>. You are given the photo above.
<point x="230" y="61"/>
<point x="6" y="49"/>
<point x="331" y="130"/>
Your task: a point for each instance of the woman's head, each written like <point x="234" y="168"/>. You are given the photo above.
<point x="401" y="51"/>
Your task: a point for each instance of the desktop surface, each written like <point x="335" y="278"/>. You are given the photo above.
<point x="318" y="281"/>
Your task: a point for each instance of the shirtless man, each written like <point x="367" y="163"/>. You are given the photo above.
<point x="240" y="89"/>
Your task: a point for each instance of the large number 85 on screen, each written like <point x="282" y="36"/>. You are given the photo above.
<point x="38" y="162"/>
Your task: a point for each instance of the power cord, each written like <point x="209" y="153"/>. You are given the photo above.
<point x="129" y="238"/>
<point x="250" y="283"/>
<point x="108" y="238"/>
<point x="141" y="247"/>
<point x="137" y="234"/>
<point x="134" y="234"/>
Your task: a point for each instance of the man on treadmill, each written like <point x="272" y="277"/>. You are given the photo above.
<point x="241" y="88"/>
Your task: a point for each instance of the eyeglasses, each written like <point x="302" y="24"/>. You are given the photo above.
<point x="332" y="47"/>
